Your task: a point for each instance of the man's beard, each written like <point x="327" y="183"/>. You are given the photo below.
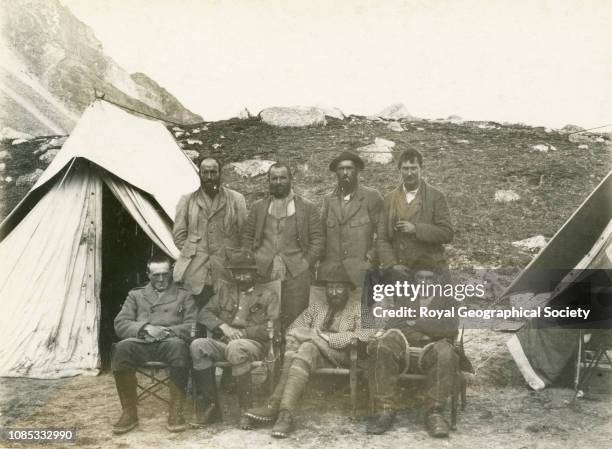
<point x="347" y="184"/>
<point x="279" y="191"/>
<point x="211" y="187"/>
<point x="337" y="302"/>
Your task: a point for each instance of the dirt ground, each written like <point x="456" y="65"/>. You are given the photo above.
<point x="501" y="413"/>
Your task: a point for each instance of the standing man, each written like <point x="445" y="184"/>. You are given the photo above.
<point x="414" y="224"/>
<point x="350" y="217"/>
<point x="207" y="226"/>
<point x="154" y="324"/>
<point x="284" y="232"/>
<point x="239" y="316"/>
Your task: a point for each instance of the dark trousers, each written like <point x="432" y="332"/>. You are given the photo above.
<point x="386" y="360"/>
<point x="294" y="297"/>
<point x="131" y="353"/>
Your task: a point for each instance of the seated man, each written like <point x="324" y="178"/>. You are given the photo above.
<point x="439" y="361"/>
<point x="237" y="315"/>
<point x="319" y="337"/>
<point x="154" y="325"/>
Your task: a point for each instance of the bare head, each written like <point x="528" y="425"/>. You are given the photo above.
<point x="210" y="175"/>
<point x="159" y="271"/>
<point x="279" y="178"/>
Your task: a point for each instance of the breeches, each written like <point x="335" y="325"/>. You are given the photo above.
<point x="294" y="297"/>
<point x="129" y="353"/>
<point x="386" y="360"/>
<point x="205" y="352"/>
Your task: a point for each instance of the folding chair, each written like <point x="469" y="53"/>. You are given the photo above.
<point x="593" y="355"/>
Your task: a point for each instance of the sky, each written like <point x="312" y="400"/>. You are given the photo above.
<point x="539" y="62"/>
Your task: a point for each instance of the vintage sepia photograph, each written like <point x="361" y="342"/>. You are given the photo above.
<point x="302" y="223"/>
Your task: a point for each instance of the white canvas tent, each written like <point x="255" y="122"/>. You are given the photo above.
<point x="579" y="252"/>
<point x="51" y="244"/>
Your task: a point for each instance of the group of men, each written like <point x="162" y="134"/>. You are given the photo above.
<point x="289" y="263"/>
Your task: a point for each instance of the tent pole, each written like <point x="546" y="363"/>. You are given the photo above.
<point x="578" y="363"/>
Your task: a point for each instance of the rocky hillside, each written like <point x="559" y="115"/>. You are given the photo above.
<point x="505" y="183"/>
<point x="52" y="63"/>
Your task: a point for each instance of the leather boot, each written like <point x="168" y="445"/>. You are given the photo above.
<point x="284" y="424"/>
<point x="436" y="425"/>
<point x="296" y="383"/>
<point x="207" y="407"/>
<point x="176" y="421"/>
<point x="269" y="412"/>
<point x="245" y="398"/>
<point x="380" y="423"/>
<point x="125" y="380"/>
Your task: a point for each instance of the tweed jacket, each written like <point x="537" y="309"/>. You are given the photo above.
<point x="173" y="308"/>
<point x="349" y="321"/>
<point x="350" y="236"/>
<point x="310" y="234"/>
<point x="205" y="239"/>
<point x="250" y="312"/>
<point x="433" y="229"/>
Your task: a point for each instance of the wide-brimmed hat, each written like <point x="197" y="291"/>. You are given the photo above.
<point x="241" y="259"/>
<point x="347" y="156"/>
<point x="334" y="272"/>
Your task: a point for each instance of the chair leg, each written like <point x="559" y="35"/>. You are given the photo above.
<point x="454" y="395"/>
<point x="463" y="393"/>
<point x="353" y="381"/>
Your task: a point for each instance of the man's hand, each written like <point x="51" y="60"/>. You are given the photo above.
<point x="405" y="227"/>
<point x="230" y="332"/>
<point x="157" y="332"/>
<point x="323" y="335"/>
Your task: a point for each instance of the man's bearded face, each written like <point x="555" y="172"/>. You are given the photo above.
<point x="243" y="276"/>
<point x="280" y="182"/>
<point x="411" y="174"/>
<point x="337" y="294"/>
<point x="210" y="176"/>
<point x="347" y="175"/>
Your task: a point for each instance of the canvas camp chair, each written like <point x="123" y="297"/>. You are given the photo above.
<point x="593" y="354"/>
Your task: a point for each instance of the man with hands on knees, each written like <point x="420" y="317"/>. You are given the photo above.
<point x="154" y="325"/>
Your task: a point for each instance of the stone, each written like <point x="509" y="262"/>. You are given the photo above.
<point x="583" y="147"/>
<point x="543" y="147"/>
<point x="462" y="141"/>
<point x="2" y="166"/>
<point x="454" y="119"/>
<point x="8" y="179"/>
<point x="58" y="142"/>
<point x="4" y="154"/>
<point x="381" y="151"/>
<point x="178" y="133"/>
<point x="532" y="244"/>
<point x="18" y="141"/>
<point x="331" y="112"/>
<point x="397" y="111"/>
<point x="48" y="156"/>
<point x="29" y="179"/>
<point x="216" y="145"/>
<point x="293" y="117"/>
<point x="192" y="154"/>
<point x="194" y="142"/>
<point x="571" y="129"/>
<point x="252" y="167"/>
<point x="506" y="196"/>
<point x="395" y="126"/>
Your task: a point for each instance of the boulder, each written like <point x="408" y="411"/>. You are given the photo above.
<point x="48" y="156"/>
<point x="194" y="142"/>
<point x="8" y="179"/>
<point x="571" y="129"/>
<point x="331" y="112"/>
<point x="29" y="179"/>
<point x="252" y="167"/>
<point x="454" y="119"/>
<point x="583" y="147"/>
<point x="2" y="166"/>
<point x="4" y="154"/>
<point x="397" y="111"/>
<point x="9" y="133"/>
<point x="18" y="141"/>
<point x="192" y="154"/>
<point x="506" y="196"/>
<point x="543" y="147"/>
<point x="532" y="244"/>
<point x="395" y="126"/>
<point x="381" y="151"/>
<point x="293" y="117"/>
